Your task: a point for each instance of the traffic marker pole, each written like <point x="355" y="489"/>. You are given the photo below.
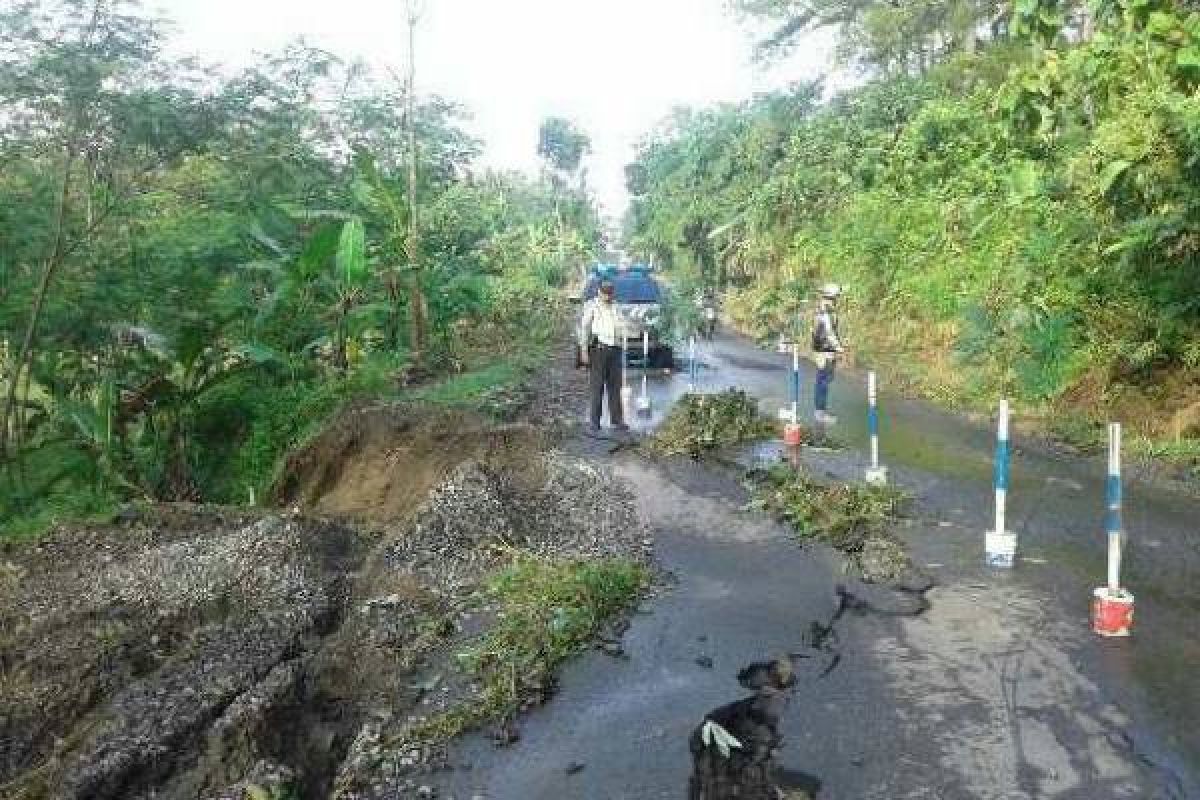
<point x="876" y="475"/>
<point x="791" y="413"/>
<point x="1112" y="606"/>
<point x="692" y="373"/>
<point x="1000" y="545"/>
<point x="643" y="402"/>
<point x="626" y="392"/>
<point x="793" y="434"/>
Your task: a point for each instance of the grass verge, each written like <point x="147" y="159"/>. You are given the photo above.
<point x="548" y="611"/>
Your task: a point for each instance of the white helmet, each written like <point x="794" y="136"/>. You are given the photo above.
<point x="831" y="291"/>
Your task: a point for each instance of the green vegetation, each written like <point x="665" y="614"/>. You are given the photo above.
<point x="704" y="423"/>
<point x="548" y="611"/>
<point x="1011" y="200"/>
<point x="196" y="272"/>
<point x="845" y="516"/>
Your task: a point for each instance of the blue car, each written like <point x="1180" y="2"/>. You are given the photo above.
<point x="641" y="302"/>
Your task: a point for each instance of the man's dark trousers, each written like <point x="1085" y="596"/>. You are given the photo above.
<point x="605" y="375"/>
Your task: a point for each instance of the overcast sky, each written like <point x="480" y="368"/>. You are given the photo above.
<point x="617" y="67"/>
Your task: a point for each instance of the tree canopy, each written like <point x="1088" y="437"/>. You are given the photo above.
<point x="194" y="268"/>
<point x="1023" y="218"/>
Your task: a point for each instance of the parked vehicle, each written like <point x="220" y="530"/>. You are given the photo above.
<point x="641" y="299"/>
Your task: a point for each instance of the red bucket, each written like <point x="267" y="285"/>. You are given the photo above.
<point x="793" y="435"/>
<point x="1112" y="612"/>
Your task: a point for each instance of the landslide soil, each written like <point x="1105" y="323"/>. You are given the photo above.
<point x="200" y="652"/>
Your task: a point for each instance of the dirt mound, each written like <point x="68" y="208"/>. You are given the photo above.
<point x="194" y="652"/>
<point x="377" y="464"/>
<point x="480" y="514"/>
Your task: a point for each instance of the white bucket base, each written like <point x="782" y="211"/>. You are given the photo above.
<point x="876" y="476"/>
<point x="783" y="347"/>
<point x="786" y="415"/>
<point x="643" y="406"/>
<point x="1000" y="549"/>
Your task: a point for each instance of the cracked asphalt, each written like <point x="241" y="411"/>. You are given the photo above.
<point x="999" y="691"/>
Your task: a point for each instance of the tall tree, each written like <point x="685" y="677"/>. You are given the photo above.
<point x="417" y="308"/>
<point x="82" y="86"/>
<point x="562" y="145"/>
<point x="883" y="35"/>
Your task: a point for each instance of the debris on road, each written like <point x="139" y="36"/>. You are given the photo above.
<point x="704" y="423"/>
<point x="733" y="749"/>
<point x="851" y="518"/>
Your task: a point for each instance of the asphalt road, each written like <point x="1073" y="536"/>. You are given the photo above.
<point x="998" y="691"/>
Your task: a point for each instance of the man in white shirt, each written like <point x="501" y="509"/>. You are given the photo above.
<point x="601" y="335"/>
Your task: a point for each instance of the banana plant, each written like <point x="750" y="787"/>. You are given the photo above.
<point x="331" y="273"/>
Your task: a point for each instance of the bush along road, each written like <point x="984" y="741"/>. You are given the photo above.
<point x="938" y="678"/>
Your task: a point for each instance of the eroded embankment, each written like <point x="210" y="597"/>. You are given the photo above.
<point x="185" y="652"/>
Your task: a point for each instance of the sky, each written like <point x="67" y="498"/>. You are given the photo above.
<point x="615" y="67"/>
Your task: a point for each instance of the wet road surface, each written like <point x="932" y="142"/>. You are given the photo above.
<point x="998" y="691"/>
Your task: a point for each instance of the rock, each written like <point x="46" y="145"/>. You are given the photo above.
<point x="704" y="661"/>
<point x="613" y="649"/>
<point x="575" y="767"/>
<point x="913" y="580"/>
<point x="506" y="734"/>
<point x="882" y="560"/>
<point x="745" y="771"/>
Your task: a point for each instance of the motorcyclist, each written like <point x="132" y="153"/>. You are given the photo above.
<point x="707" y="302"/>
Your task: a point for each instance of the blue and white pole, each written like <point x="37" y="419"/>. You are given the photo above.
<point x="1112" y="606"/>
<point x="795" y="384"/>
<point x="1112" y="519"/>
<point x="643" y="402"/>
<point x="1000" y="545"/>
<point x="793" y="434"/>
<point x="791" y="414"/>
<point x="876" y="474"/>
<point x="692" y="364"/>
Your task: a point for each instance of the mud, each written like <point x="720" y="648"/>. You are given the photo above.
<point x="377" y="464"/>
<point x="734" y="747"/>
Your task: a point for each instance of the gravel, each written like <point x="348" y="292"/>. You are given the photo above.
<point x="476" y="519"/>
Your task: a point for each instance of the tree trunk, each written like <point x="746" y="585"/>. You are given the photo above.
<point x="416" y="293"/>
<point x="53" y="261"/>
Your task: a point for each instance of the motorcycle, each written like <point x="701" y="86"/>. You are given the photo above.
<point x="710" y="321"/>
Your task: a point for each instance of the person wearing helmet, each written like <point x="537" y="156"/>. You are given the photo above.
<point x="600" y="337"/>
<point x="827" y="346"/>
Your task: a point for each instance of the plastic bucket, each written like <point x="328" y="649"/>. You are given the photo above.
<point x="1112" y="612"/>
<point x="793" y="435"/>
<point x="1000" y="549"/>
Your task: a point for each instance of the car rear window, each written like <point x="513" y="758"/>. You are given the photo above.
<point x="628" y="289"/>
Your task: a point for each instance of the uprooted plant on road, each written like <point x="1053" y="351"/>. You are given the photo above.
<point x="704" y="423"/>
<point x="850" y="518"/>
